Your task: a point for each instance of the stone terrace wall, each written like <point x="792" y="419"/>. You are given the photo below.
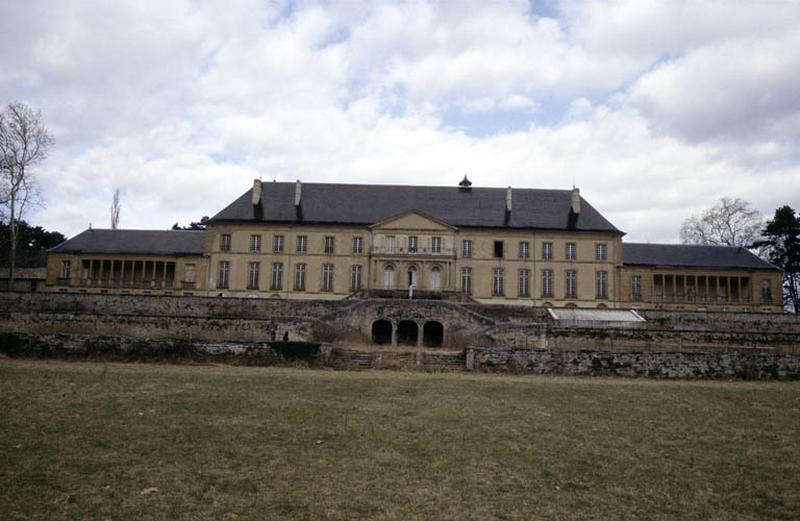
<point x="653" y="364"/>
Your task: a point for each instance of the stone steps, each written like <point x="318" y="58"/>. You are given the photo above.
<point x="405" y="360"/>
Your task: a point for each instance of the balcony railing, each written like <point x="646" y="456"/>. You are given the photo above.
<point x="442" y="252"/>
<point x="131" y="284"/>
<point x="688" y="299"/>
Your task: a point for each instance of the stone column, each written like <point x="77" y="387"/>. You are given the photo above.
<point x="419" y="334"/>
<point x="394" y="334"/>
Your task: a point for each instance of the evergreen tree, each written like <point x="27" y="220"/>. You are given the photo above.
<point x="781" y="239"/>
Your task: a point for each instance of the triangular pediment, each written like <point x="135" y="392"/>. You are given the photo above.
<point x="412" y="220"/>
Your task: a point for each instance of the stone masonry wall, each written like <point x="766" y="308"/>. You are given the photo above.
<point x="653" y="364"/>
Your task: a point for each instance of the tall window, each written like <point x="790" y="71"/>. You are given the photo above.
<point x="571" y="251"/>
<point x="277" y="276"/>
<point x="601" y="251"/>
<point x="524" y="283"/>
<point x="302" y="243"/>
<point x="355" y="278"/>
<point x="547" y="283"/>
<point x="300" y="277"/>
<point x="466" y="280"/>
<point x="224" y="271"/>
<point x="636" y="287"/>
<point x="601" y="284"/>
<point x="412" y="244"/>
<point x="358" y="245"/>
<point x="252" y="275"/>
<point x="63" y="273"/>
<point x="391" y="244"/>
<point x="498" y="284"/>
<point x="766" y="291"/>
<point x="571" y="284"/>
<point x="524" y="250"/>
<point x="466" y="248"/>
<point x="255" y="243"/>
<point x="277" y="244"/>
<point x="327" y="277"/>
<point x="436" y="245"/>
<point x="190" y="273"/>
<point x="547" y="250"/>
<point x="388" y="277"/>
<point x="328" y="245"/>
<point x="498" y="249"/>
<point x="225" y="242"/>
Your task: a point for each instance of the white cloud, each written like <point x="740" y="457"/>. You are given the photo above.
<point x="654" y="110"/>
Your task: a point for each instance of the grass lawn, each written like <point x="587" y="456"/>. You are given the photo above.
<point x="131" y="441"/>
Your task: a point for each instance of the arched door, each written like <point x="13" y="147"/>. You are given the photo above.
<point x="411" y="279"/>
<point x="388" y="277"/>
<point x="435" y="279"/>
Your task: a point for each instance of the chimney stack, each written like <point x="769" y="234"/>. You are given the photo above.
<point x="508" y="200"/>
<point x="256" y="192"/>
<point x="575" y="205"/>
<point x="297" y="193"/>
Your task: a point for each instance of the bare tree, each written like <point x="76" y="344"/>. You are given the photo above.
<point x="115" y="207"/>
<point x="24" y="142"/>
<point x="730" y="223"/>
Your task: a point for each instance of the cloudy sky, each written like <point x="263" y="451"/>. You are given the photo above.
<point x="654" y="109"/>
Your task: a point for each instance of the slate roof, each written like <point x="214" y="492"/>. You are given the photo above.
<point x="323" y="203"/>
<point x="691" y="256"/>
<point x="134" y="242"/>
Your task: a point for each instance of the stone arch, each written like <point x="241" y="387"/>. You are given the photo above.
<point x="382" y="332"/>
<point x="407" y="333"/>
<point x="602" y="306"/>
<point x="571" y="306"/>
<point x="433" y="334"/>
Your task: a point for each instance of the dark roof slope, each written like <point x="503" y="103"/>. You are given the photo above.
<point x="691" y="256"/>
<point x="134" y="242"/>
<point x="368" y="204"/>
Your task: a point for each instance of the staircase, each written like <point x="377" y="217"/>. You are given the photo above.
<point x="393" y="358"/>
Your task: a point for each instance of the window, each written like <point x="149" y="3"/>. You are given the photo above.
<point x="355" y="278"/>
<point x="300" y="277"/>
<point x="571" y="251"/>
<point x="358" y="245"/>
<point x="412" y="244"/>
<point x="327" y="277"/>
<point x="63" y="273"/>
<point x="466" y="280"/>
<point x="225" y="242"/>
<point x="547" y="250"/>
<point x="328" y="245"/>
<point x="255" y="243"/>
<point x="498" y="289"/>
<point x="601" y="251"/>
<point x="302" y="243"/>
<point x="547" y="283"/>
<point x="277" y="276"/>
<point x="252" y="275"/>
<point x="391" y="244"/>
<point x="436" y="245"/>
<point x="524" y="283"/>
<point x="571" y="284"/>
<point x="466" y="248"/>
<point x="636" y="287"/>
<point x="277" y="244"/>
<point x="189" y="273"/>
<point x="601" y="284"/>
<point x="766" y="290"/>
<point x="224" y="270"/>
<point x="498" y="249"/>
<point x="524" y="250"/>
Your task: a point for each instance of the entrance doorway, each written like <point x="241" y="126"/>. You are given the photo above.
<point x="407" y="333"/>
<point x="382" y="332"/>
<point x="412" y="276"/>
<point x="433" y="334"/>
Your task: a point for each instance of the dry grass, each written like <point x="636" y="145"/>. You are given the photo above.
<point x="93" y="441"/>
